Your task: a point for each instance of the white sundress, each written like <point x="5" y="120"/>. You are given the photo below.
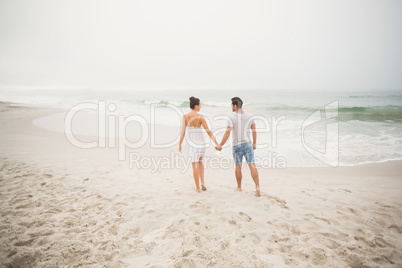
<point x="194" y="144"/>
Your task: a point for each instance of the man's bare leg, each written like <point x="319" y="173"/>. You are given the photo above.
<point x="254" y="175"/>
<point x="196" y="176"/>
<point x="238" y="177"/>
<point x="201" y="171"/>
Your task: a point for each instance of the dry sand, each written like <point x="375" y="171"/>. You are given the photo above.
<point x="62" y="206"/>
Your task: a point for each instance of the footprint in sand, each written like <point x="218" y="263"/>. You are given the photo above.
<point x="278" y="201"/>
<point x="397" y="228"/>
<point x="187" y="253"/>
<point x="383" y="205"/>
<point x="353" y="211"/>
<point x="311" y="219"/>
<point x="232" y="222"/>
<point x="47" y="175"/>
<point x="345" y="190"/>
<point x="25" y="243"/>
<point x="323" y="219"/>
<point x="255" y="238"/>
<point x="245" y="216"/>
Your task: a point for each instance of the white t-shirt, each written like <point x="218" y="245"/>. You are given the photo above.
<point x="241" y="123"/>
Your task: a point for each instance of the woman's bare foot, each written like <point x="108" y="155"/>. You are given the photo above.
<point x="257" y="191"/>
<point x="238" y="189"/>
<point x="197" y="190"/>
<point x="203" y="187"/>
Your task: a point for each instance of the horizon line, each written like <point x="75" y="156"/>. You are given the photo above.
<point x="6" y="87"/>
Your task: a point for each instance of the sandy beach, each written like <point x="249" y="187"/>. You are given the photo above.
<point x="63" y="206"/>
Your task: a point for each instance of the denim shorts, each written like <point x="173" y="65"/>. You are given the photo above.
<point x="244" y="149"/>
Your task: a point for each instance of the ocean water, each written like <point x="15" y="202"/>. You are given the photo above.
<point x="298" y="128"/>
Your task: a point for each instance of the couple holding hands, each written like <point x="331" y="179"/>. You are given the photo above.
<point x="195" y="146"/>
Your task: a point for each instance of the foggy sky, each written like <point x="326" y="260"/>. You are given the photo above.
<point x="320" y="45"/>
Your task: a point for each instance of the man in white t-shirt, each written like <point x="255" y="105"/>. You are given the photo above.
<point x="241" y="123"/>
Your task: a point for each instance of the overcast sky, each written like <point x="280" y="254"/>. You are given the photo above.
<point x="219" y="44"/>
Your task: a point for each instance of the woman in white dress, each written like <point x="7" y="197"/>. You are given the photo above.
<point x="195" y="145"/>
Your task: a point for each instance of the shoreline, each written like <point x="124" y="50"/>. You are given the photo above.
<point x="133" y="134"/>
<point x="36" y="112"/>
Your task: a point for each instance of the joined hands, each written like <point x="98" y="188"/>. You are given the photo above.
<point x="218" y="147"/>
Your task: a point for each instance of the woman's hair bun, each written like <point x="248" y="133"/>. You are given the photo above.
<point x="194" y="101"/>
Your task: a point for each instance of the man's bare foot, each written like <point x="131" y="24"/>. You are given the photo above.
<point x="197" y="190"/>
<point x="203" y="187"/>
<point x="257" y="191"/>
<point x="238" y="189"/>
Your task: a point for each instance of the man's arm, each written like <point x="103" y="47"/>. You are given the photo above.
<point x="226" y="135"/>
<point x="225" y="138"/>
<point x="254" y="136"/>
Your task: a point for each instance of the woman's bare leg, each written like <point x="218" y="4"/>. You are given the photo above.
<point x="201" y="171"/>
<point x="196" y="176"/>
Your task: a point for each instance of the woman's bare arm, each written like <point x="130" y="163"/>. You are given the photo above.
<point x="209" y="132"/>
<point x="183" y="132"/>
